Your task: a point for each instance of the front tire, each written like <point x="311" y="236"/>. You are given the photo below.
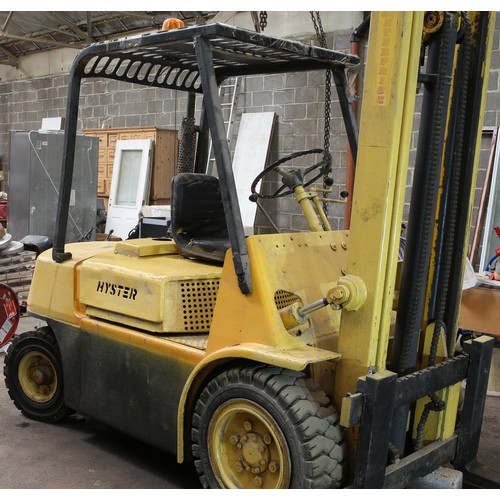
<point x="267" y="427"/>
<point x="34" y="376"/>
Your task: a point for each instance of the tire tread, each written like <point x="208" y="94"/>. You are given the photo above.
<point x="43" y="334"/>
<point x="309" y="410"/>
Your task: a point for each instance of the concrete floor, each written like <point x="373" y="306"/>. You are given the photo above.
<point x="87" y="455"/>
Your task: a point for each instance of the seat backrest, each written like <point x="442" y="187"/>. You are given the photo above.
<point x="198" y="222"/>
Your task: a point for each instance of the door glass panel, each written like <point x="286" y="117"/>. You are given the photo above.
<point x="130" y="167"/>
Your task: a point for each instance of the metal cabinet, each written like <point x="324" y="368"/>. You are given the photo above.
<point x="35" y="163"/>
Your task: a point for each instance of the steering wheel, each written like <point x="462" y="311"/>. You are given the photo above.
<point x="323" y="166"/>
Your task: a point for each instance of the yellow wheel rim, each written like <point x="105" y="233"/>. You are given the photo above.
<point x="246" y="447"/>
<point x="37" y="376"/>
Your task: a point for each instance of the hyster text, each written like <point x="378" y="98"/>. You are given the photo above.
<point x="126" y="292"/>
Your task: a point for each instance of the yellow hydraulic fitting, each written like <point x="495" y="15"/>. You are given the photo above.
<point x="349" y="293"/>
<point x="292" y="317"/>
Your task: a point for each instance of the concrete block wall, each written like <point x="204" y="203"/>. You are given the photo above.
<point x="297" y="99"/>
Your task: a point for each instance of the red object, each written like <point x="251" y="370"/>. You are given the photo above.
<point x="497" y="230"/>
<point x="9" y="314"/>
<point x="3" y="210"/>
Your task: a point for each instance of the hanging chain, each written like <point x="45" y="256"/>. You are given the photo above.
<point x="320" y="34"/>
<point x="318" y="27"/>
<point x="263" y="19"/>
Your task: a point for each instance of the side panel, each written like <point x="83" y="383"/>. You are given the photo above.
<point x="52" y="291"/>
<point x="306" y="265"/>
<point x="133" y="386"/>
<point x="69" y="341"/>
<point x="132" y="389"/>
<point x="150" y="292"/>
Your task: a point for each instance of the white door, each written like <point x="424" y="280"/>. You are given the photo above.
<point x="250" y="154"/>
<point x="129" y="189"/>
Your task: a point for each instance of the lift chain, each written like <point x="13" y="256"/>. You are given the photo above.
<point x="320" y="34"/>
<point x="263" y="19"/>
<point x="414" y="318"/>
<point x="435" y="404"/>
<point x="453" y="197"/>
<point x="434" y="160"/>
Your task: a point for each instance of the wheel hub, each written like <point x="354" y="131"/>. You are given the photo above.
<point x="37" y="377"/>
<point x="42" y="375"/>
<point x="247" y="449"/>
<point x="256" y="454"/>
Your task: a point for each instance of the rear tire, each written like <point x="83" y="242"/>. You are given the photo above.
<point x="34" y="376"/>
<point x="267" y="427"/>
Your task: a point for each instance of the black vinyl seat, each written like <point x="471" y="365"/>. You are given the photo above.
<point x="198" y="223"/>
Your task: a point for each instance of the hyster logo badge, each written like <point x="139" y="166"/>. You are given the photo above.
<point x="124" y="292"/>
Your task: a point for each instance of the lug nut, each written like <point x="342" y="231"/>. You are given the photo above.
<point x="268" y="439"/>
<point x="234" y="439"/>
<point x="248" y="425"/>
<point x="238" y="466"/>
<point x="254" y="438"/>
<point x="274" y="467"/>
<point x="262" y="449"/>
<point x="258" y="481"/>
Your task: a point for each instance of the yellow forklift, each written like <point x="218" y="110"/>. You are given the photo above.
<point x="295" y="360"/>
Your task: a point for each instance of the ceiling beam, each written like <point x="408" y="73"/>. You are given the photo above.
<point x="89" y="27"/>
<point x="223" y="16"/>
<point x="199" y="17"/>
<point x="7" y="21"/>
<point x="137" y="15"/>
<point x="11" y="59"/>
<point x="255" y="19"/>
<point x="36" y="40"/>
<point x="73" y="27"/>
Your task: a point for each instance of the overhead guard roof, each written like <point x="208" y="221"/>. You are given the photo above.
<point x="167" y="59"/>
